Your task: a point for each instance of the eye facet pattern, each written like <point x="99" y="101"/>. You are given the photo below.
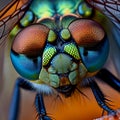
<point x="86" y="32"/>
<point x="61" y="46"/>
<point x="48" y="53"/>
<point x="27" y="49"/>
<point x="28" y="68"/>
<point x="31" y="40"/>
<point x="72" y="50"/>
<point x="94" y="58"/>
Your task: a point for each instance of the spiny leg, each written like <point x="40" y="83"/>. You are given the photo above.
<point x="100" y="98"/>
<point x="39" y="104"/>
<point x="110" y="79"/>
<point x="15" y="103"/>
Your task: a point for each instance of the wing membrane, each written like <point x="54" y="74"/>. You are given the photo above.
<point x="111" y="8"/>
<point x="10" y="15"/>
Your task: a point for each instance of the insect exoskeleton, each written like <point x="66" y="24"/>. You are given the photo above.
<point x="60" y="56"/>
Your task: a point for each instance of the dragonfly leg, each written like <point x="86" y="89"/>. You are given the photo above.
<point x="15" y="103"/>
<point x="100" y="98"/>
<point x="109" y="78"/>
<point x="40" y="107"/>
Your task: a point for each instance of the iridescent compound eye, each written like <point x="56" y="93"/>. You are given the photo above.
<point x="27" y="50"/>
<point x="86" y="32"/>
<point x="92" y="43"/>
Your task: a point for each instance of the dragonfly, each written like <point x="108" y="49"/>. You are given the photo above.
<point x="58" y="49"/>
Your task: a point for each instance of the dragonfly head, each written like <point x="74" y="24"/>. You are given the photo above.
<point x="63" y="57"/>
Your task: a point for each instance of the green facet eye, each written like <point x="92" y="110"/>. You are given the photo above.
<point x="47" y="55"/>
<point x="52" y="36"/>
<point x="72" y="50"/>
<point x="65" y="34"/>
<point x="85" y="10"/>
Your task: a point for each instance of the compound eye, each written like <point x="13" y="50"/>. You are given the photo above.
<point x="92" y="42"/>
<point x="31" y="40"/>
<point x="95" y="57"/>
<point x="27" y="50"/>
<point x="86" y="32"/>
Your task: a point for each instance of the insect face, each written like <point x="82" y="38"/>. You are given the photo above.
<point x="63" y="56"/>
<point x="61" y="47"/>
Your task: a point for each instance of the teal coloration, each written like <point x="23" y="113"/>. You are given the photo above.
<point x="95" y="58"/>
<point x="66" y="20"/>
<point x="26" y="67"/>
<point x="27" y="19"/>
<point x="59" y="54"/>
<point x="49" y="23"/>
<point x="85" y="10"/>
<point x="49" y="8"/>
<point x="42" y="8"/>
<point x="66" y="6"/>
